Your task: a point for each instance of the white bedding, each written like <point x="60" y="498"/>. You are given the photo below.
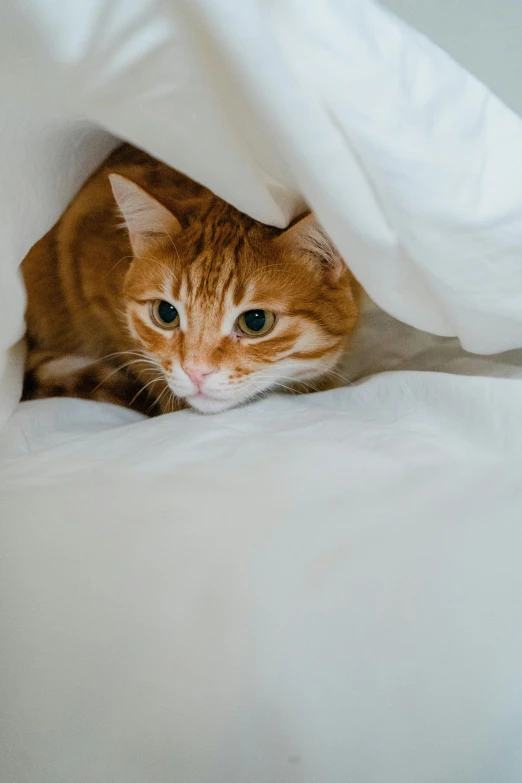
<point x="320" y="589"/>
<point x="317" y="589"/>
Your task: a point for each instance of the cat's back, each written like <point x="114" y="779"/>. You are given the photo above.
<point x="175" y="190"/>
<point x="74" y="274"/>
<point x="92" y="220"/>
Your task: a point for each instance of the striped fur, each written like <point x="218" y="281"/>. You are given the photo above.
<point x="90" y="283"/>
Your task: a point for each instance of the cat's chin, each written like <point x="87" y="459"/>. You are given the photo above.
<point x="204" y="404"/>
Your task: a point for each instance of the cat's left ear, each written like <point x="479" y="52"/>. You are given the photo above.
<point x="307" y="237"/>
<point x="145" y="218"/>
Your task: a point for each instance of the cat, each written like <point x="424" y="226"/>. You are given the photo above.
<point x="152" y="292"/>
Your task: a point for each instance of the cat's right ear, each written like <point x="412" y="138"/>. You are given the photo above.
<point x="145" y="218"/>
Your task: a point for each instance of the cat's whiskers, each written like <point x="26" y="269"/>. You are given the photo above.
<point x="262" y="394"/>
<point x="141" y="354"/>
<point x="121" y="353"/>
<point x="123" y="258"/>
<point x="119" y="369"/>
<point x="336" y="374"/>
<point x="143" y="358"/>
<point x="283" y="386"/>
<point x="275" y="383"/>
<point x="158" y="263"/>
<point x="165" y="390"/>
<point x="172" y="243"/>
<point x="294" y="390"/>
<point x="155" y="365"/>
<point x="143" y="258"/>
<point x="157" y="379"/>
<point x="158" y="399"/>
<point x="278" y="382"/>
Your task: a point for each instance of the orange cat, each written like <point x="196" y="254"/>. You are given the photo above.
<point x="193" y="304"/>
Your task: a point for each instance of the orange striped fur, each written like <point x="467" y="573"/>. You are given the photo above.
<point x="91" y="328"/>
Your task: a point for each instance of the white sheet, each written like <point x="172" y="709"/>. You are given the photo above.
<point x="312" y="590"/>
<point x="308" y="590"/>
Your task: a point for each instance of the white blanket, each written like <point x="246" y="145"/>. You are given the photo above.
<point x="318" y="589"/>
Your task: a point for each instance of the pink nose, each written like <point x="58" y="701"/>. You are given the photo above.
<point x="198" y="372"/>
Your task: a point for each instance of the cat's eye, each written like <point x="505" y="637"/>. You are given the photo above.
<point x="255" y="323"/>
<point x="164" y="314"/>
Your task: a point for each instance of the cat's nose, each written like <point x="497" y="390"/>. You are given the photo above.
<point x="198" y="372"/>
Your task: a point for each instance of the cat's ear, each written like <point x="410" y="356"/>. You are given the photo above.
<point x="307" y="237"/>
<point x="145" y="218"/>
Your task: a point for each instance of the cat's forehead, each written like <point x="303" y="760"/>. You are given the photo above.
<point x="224" y="265"/>
<point x="219" y="284"/>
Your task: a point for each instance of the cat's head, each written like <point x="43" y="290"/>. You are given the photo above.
<point x="227" y="307"/>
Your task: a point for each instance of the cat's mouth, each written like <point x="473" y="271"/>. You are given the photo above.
<point x="206" y="403"/>
<point x="205" y="400"/>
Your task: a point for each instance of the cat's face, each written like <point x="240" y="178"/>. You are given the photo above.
<point x="228" y="308"/>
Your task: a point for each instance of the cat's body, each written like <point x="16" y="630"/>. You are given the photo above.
<point x="195" y="304"/>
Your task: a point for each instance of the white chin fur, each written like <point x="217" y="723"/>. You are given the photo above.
<point x="210" y="405"/>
